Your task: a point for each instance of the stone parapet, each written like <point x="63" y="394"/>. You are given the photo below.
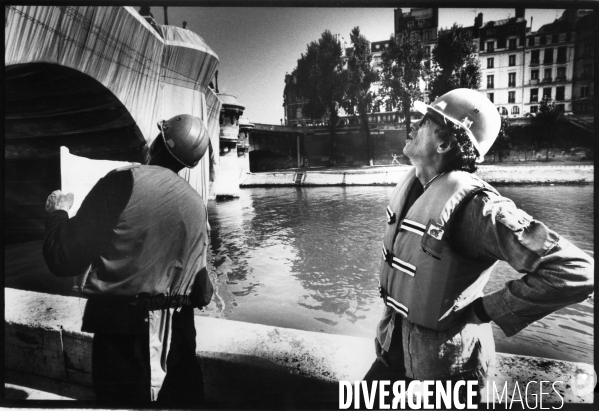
<point x="244" y="364"/>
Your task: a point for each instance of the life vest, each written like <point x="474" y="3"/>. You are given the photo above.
<point x="422" y="277"/>
<point x="159" y="244"/>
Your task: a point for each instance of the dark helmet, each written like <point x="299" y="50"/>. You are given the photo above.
<point x="185" y="137"/>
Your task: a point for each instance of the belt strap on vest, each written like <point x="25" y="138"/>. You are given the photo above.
<point x="390" y="302"/>
<point x="398" y="264"/>
<point x="390" y="216"/>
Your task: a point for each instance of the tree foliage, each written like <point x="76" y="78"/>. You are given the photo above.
<point x="546" y="125"/>
<point x="359" y="76"/>
<point x="402" y="68"/>
<point x="320" y="81"/>
<point x="454" y="62"/>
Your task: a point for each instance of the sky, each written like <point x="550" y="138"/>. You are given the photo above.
<point x="257" y="46"/>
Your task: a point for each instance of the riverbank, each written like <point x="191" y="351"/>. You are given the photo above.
<point x="496" y="174"/>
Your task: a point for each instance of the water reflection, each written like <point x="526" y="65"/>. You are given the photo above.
<point x="308" y="258"/>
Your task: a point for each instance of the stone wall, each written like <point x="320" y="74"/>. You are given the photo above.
<point x="244" y="364"/>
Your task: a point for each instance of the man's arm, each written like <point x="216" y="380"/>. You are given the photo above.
<point x="71" y="245"/>
<point x="557" y="273"/>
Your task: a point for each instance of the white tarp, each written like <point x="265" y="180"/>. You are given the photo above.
<point x="79" y="174"/>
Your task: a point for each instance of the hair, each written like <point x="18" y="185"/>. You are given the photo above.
<point x="463" y="154"/>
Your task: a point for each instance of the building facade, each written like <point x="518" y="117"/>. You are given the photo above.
<point x="519" y="67"/>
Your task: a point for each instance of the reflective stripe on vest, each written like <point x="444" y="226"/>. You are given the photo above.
<point x="413" y="226"/>
<point x="399" y="307"/>
<point x="398" y="264"/>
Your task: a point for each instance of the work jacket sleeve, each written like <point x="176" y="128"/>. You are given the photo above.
<point x="71" y="245"/>
<point x="556" y="272"/>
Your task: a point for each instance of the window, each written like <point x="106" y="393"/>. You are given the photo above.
<point x="512" y="60"/>
<point x="547" y="75"/>
<point x="512" y="29"/>
<point x="560" y="93"/>
<point x="534" y="74"/>
<point x="490" y="62"/>
<point x="490" y="81"/>
<point x="562" y="37"/>
<point x="491" y="97"/>
<point x="547" y="93"/>
<point x="548" y="56"/>
<point x="512" y="80"/>
<point x="511" y="97"/>
<point x="427" y="51"/>
<point x="427" y="35"/>
<point x="561" y="74"/>
<point x="561" y="107"/>
<point x="543" y="40"/>
<point x="531" y="41"/>
<point x="490" y="46"/>
<point x="490" y="32"/>
<point x="587" y="70"/>
<point x="410" y="24"/>
<point x="420" y="23"/>
<point x="515" y="110"/>
<point x="561" y="54"/>
<point x="534" y="95"/>
<point x="512" y="44"/>
<point x="534" y="57"/>
<point x="554" y="38"/>
<point x="388" y="106"/>
<point x="534" y="109"/>
<point x="503" y="111"/>
<point x="298" y="113"/>
<point x="587" y="49"/>
<point x="584" y="91"/>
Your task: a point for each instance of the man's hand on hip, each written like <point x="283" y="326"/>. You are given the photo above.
<point x="59" y="201"/>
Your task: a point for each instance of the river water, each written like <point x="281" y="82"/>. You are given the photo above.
<point x="307" y="258"/>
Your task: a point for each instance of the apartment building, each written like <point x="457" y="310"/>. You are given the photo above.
<point x="583" y="79"/>
<point x="501" y="56"/>
<point x="549" y="64"/>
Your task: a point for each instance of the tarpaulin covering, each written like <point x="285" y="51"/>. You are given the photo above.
<point x="96" y="80"/>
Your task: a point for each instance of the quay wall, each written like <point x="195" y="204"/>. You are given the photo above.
<point x="493" y="174"/>
<point x="244" y="364"/>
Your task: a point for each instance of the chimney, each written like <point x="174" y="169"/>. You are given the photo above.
<point x="520" y="12"/>
<point x="478" y="20"/>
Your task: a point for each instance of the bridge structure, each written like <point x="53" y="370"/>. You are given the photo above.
<point x="96" y="80"/>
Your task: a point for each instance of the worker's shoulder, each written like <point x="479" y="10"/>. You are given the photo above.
<point x="492" y="206"/>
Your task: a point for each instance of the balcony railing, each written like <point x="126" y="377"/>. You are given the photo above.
<point x="534" y="100"/>
<point x="561" y="60"/>
<point x="511" y="84"/>
<point x="534" y="63"/>
<point x="534" y="81"/>
<point x="560" y="78"/>
<point x="547" y="80"/>
<point x="490" y="86"/>
<point x="548" y="61"/>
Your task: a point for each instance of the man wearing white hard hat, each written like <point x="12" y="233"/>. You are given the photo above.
<point x="140" y="239"/>
<point x="446" y="229"/>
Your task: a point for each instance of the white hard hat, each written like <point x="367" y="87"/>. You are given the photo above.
<point x="471" y="111"/>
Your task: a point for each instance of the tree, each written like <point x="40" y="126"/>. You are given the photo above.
<point x="502" y="142"/>
<point x="546" y="125"/>
<point x="454" y="62"/>
<point x="402" y="68"/>
<point x="360" y="76"/>
<point x="320" y="82"/>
